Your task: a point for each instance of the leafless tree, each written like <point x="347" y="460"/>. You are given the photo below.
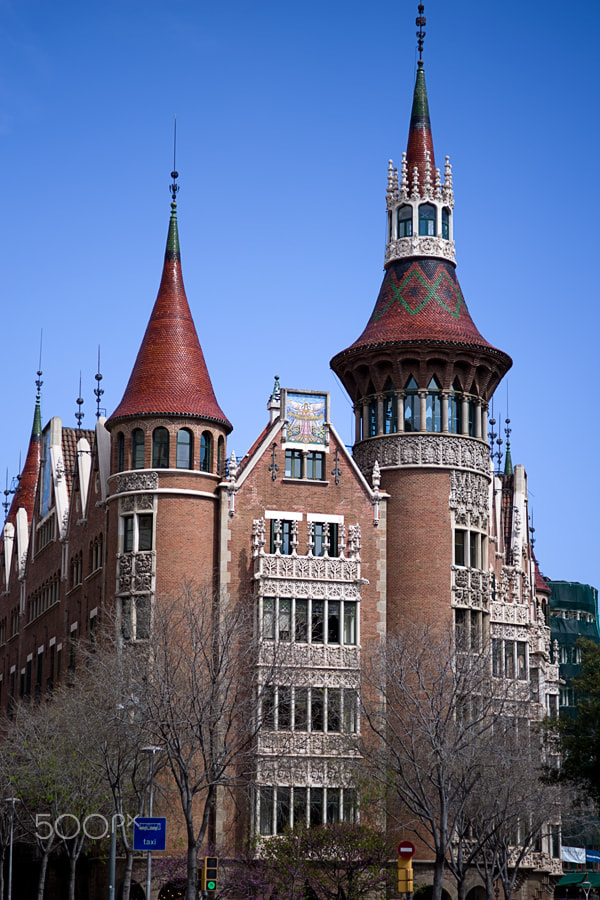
<point x="200" y="690"/>
<point x="430" y="710"/>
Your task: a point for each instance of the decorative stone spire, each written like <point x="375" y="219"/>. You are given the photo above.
<point x="170" y="376"/>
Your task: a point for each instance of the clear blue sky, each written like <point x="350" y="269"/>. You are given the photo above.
<point x="287" y="113"/>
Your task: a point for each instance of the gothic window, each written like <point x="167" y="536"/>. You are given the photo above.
<point x="446" y="223"/>
<point x="184" y="449"/>
<point x="331" y="622"/>
<point x="137" y="532"/>
<point x="206" y="452"/>
<point x="137" y="448"/>
<point x="412" y="407"/>
<point x="293" y="463"/>
<point x="433" y="407"/>
<point x="281" y="808"/>
<point x="405" y="214"/>
<point x="427" y="214"/>
<point x="135" y="617"/>
<point x="160" y="448"/>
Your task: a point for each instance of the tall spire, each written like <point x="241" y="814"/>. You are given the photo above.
<point x="24" y="495"/>
<point x="419" y="151"/>
<point x="170" y="376"/>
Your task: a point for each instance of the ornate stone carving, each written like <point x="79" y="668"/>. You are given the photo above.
<point x="420" y="246"/>
<point x="410" y="449"/>
<point x="137" y="481"/>
<point x="135" y="572"/>
<point x="316" y="657"/>
<point x="469" y="498"/>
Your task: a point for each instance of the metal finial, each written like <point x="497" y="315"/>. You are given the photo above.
<point x="79" y="414"/>
<point x="421" y="21"/>
<point x="174" y="187"/>
<point x="532" y="530"/>
<point x="98" y="391"/>
<point x="39" y="382"/>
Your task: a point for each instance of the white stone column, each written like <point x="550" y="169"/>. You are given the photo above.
<point x="401" y="396"/>
<point x="465" y="415"/>
<point x="423" y="409"/>
<point x="445" y="400"/>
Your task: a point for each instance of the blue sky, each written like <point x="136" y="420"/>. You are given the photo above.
<point x="286" y="116"/>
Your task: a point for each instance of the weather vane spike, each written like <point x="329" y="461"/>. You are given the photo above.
<point x="174" y="174"/>
<point x="39" y="382"/>
<point x="98" y="391"/>
<point x="421" y="21"/>
<point x="79" y="414"/>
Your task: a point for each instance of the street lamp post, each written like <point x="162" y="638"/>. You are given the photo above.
<point x="586" y="886"/>
<point x="11" y="800"/>
<point x="152" y="750"/>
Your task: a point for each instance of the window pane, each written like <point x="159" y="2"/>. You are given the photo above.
<point x="350" y="714"/>
<point x="184" y="449"/>
<point x="301" y="621"/>
<point x="160" y="448"/>
<point x="205" y="451"/>
<point x="314" y="465"/>
<point x="286" y="536"/>
<point x="459" y="547"/>
<point x="349" y="806"/>
<point x="283" y="809"/>
<point x="333" y="622"/>
<point x="293" y="463"/>
<point x="301" y="709"/>
<point x="446" y="224"/>
<point x="145" y="532"/>
<point x="316" y="709"/>
<point x="349" y="622"/>
<point x="142" y="617"/>
<point x="299" y="806"/>
<point x="405" y="221"/>
<point x="266" y="810"/>
<point x="460" y="628"/>
<point x="318" y="538"/>
<point x="284" y="709"/>
<point x="137" y="449"/>
<point x="316" y="806"/>
<point x="317" y="622"/>
<point x="509" y="659"/>
<point x="333" y="539"/>
<point x="268" y="708"/>
<point x="474" y="550"/>
<point x="125" y="618"/>
<point x="496" y="657"/>
<point x="121" y="452"/>
<point x="128" y="534"/>
<point x="333" y="805"/>
<point x="521" y="660"/>
<point x="372" y="418"/>
<point x="334" y="709"/>
<point x="268" y="629"/>
<point x="285" y="620"/>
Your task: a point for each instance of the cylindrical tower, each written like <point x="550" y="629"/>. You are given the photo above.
<point x="421" y="377"/>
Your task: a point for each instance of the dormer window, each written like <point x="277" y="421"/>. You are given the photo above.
<point x="427" y="215"/>
<point x="405" y="228"/>
<point x="446" y="223"/>
<point x="160" y="448"/>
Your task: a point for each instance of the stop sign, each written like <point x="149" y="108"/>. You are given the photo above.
<point x="406" y="849"/>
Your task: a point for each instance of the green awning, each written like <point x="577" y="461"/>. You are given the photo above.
<point x="571" y="878"/>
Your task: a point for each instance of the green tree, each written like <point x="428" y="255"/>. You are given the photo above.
<point x="579" y="734"/>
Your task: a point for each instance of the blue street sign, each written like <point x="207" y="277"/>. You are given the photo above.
<point x="149" y="834"/>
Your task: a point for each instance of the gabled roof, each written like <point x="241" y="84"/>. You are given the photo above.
<point x="170" y="376"/>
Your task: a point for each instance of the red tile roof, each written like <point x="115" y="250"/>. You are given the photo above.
<point x="420" y="138"/>
<point x="170" y="376"/>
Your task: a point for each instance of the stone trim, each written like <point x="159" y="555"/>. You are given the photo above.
<point x="423" y="450"/>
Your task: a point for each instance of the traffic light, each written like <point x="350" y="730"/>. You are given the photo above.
<point x="209" y="873"/>
<point x="405" y="876"/>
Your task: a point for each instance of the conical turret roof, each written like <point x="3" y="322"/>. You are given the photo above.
<point x="24" y="496"/>
<point x="419" y="151"/>
<point x="170" y="376"/>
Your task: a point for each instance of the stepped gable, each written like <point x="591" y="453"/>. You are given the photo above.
<point x="420" y="300"/>
<point x="170" y="376"/>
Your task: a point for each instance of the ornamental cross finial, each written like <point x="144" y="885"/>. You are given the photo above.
<point x="421" y="21"/>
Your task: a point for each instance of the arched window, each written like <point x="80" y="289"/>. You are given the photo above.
<point x="120" y="451"/>
<point x="160" y="448"/>
<point x="390" y="409"/>
<point x="389" y="228"/>
<point x="405" y="214"/>
<point x="455" y="410"/>
<point x="184" y="449"/>
<point x="137" y="449"/>
<point x="412" y="407"/>
<point x="206" y="452"/>
<point x="446" y="223"/>
<point x="433" y="407"/>
<point x="221" y="456"/>
<point x="427" y="213"/>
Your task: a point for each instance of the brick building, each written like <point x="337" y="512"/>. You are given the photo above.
<point x="336" y="548"/>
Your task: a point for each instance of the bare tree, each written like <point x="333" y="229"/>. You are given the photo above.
<point x="200" y="690"/>
<point x="430" y="709"/>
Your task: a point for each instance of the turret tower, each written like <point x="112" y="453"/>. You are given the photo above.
<point x="421" y="377"/>
<point x="168" y="451"/>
